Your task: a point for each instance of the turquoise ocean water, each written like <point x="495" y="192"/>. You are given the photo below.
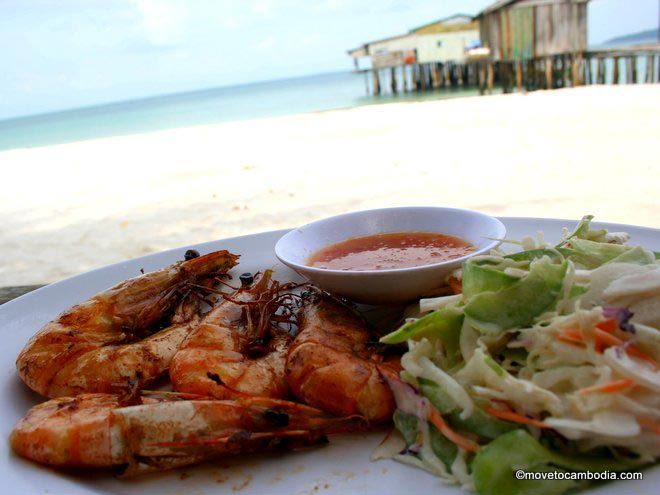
<point x="250" y="101"/>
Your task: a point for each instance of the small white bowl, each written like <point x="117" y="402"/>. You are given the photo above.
<point x="395" y="285"/>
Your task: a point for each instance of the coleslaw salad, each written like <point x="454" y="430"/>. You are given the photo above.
<point x="546" y="361"/>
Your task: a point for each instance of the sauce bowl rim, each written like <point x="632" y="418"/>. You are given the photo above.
<point x="357" y="273"/>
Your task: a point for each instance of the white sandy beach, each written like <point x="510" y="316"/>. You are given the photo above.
<point x="69" y="208"/>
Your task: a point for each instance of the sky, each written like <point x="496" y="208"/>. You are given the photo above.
<point x="61" y="54"/>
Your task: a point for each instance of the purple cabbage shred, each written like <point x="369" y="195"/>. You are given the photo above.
<point x="623" y="316"/>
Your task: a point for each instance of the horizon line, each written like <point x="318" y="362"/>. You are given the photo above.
<point x="158" y="96"/>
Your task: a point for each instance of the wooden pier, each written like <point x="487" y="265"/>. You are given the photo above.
<point x="432" y="76"/>
<point x="625" y="65"/>
<point x="525" y="45"/>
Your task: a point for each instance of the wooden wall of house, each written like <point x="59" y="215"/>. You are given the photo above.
<point x="560" y="28"/>
<point x="490" y="32"/>
<point x="534" y="28"/>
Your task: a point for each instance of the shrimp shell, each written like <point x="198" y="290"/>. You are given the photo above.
<point x="94" y="430"/>
<point x="330" y="365"/>
<point x="108" y="342"/>
<point x="215" y="359"/>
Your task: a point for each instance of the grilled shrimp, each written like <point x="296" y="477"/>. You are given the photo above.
<point x="331" y="366"/>
<point x="113" y="339"/>
<point x="95" y="430"/>
<point x="236" y="350"/>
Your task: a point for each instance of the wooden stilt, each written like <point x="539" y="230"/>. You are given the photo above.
<point x="633" y="63"/>
<point x="536" y="83"/>
<point x="435" y="76"/>
<point x="574" y="71"/>
<point x="587" y="70"/>
<point x="441" y="75"/>
<point x="393" y="84"/>
<point x="581" y="68"/>
<point x="459" y="75"/>
<point x="505" y="69"/>
<point x="481" y="77"/>
<point x="490" y="76"/>
<point x="615" y="73"/>
<point x="519" y="77"/>
<point x="502" y="66"/>
<point x="376" y="81"/>
<point x="600" y="70"/>
<point x="649" y="68"/>
<point x="512" y="76"/>
<point x="548" y="73"/>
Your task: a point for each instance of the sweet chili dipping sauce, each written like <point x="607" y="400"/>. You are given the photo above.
<point x="392" y="250"/>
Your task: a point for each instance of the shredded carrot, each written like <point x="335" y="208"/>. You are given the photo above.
<point x="609" y="387"/>
<point x="633" y="350"/>
<point x="609" y="325"/>
<point x="514" y="417"/>
<point x="650" y="425"/>
<point x="465" y="443"/>
<point x="603" y="340"/>
<point x="571" y="335"/>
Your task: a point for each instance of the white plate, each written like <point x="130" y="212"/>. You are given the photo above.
<point x="341" y="467"/>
